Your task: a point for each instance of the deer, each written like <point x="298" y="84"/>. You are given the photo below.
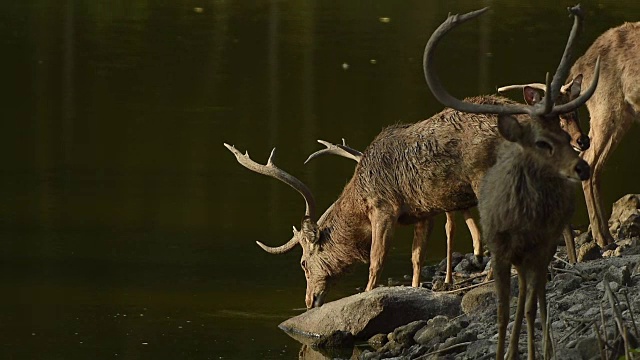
<point x="526" y="198"/>
<point x="345" y="151"/>
<point x="407" y="175"/>
<point x="613" y="108"/>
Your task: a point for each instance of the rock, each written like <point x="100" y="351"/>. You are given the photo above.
<point x="440" y="327"/>
<point x="622" y="275"/>
<point x="589" y="251"/>
<point x="377" y="341"/>
<point x="588" y="347"/>
<point x="612" y="284"/>
<point x="366" y="314"/>
<point x="404" y="334"/>
<point x="480" y="299"/>
<point x="480" y="348"/>
<point x="564" y="283"/>
<point x="337" y="339"/>
<point x="583" y="238"/>
<point x="625" y="217"/>
<point x="456" y="257"/>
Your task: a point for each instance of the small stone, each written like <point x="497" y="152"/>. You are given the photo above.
<point x="589" y="251"/>
<point x="377" y="341"/>
<point x="404" y="334"/>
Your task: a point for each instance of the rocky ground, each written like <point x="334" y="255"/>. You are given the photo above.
<point x="594" y="308"/>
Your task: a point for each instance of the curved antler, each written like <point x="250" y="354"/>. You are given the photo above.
<point x="272" y="170"/>
<point x="544" y="108"/>
<point x="438" y="89"/>
<point x="336" y="149"/>
<point x="282" y="248"/>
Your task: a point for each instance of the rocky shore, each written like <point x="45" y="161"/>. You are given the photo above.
<point x="594" y="308"/>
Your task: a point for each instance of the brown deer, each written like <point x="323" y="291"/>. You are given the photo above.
<point x="613" y="108"/>
<point x="526" y="198"/>
<point x="407" y="175"/>
<point x="350" y="153"/>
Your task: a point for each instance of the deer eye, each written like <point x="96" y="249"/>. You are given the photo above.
<point x="543" y="145"/>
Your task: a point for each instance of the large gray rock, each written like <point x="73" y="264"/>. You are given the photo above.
<point x="374" y="312"/>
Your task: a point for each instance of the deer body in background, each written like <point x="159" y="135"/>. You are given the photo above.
<point x="525" y="200"/>
<point x="613" y="108"/>
<point x="350" y="153"/>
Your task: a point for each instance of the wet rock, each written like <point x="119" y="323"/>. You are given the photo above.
<point x="404" y="334"/>
<point x="378" y="311"/>
<point x="480" y="348"/>
<point x="588" y="347"/>
<point x="589" y="251"/>
<point x="337" y="339"/>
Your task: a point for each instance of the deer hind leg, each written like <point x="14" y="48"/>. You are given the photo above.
<point x="475" y="233"/>
<point x="450" y="229"/>
<point x="530" y="312"/>
<point x="602" y="144"/>
<point x="382" y="228"/>
<point x="421" y="233"/>
<point x="569" y="242"/>
<point x="502" y="274"/>
<point x="517" y="324"/>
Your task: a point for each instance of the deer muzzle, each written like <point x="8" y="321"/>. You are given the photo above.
<point x="583" y="170"/>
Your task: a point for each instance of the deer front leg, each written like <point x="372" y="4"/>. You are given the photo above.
<point x="531" y="310"/>
<point x="381" y="230"/>
<point x="502" y="274"/>
<point x="517" y="323"/>
<point x="450" y="229"/>
<point x="421" y="233"/>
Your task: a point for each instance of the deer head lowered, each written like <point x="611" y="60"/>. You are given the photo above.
<point x="525" y="199"/>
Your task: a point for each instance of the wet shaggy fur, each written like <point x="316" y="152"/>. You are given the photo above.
<point x="408" y="174"/>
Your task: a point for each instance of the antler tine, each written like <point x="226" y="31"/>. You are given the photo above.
<point x="272" y="170"/>
<point x="580" y="100"/>
<point x="440" y="92"/>
<point x="548" y="99"/>
<point x="336" y="149"/>
<point x="538" y="86"/>
<point x="565" y="62"/>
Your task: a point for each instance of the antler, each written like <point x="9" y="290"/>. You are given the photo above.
<point x="336" y="149"/>
<point x="538" y="86"/>
<point x="544" y="108"/>
<point x="272" y="170"/>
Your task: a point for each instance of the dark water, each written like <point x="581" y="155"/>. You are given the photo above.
<point x="128" y="230"/>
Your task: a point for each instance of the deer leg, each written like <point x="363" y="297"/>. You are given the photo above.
<point x="601" y="147"/>
<point x="382" y="227"/>
<point x="517" y="323"/>
<point x="547" y="348"/>
<point x="567" y="234"/>
<point x="531" y="309"/>
<point x="421" y="233"/>
<point x="450" y="229"/>
<point x="502" y="274"/>
<point x="475" y="233"/>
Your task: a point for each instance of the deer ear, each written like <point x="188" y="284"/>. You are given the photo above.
<point x="509" y="128"/>
<point x="309" y="230"/>
<point x="573" y="88"/>
<point x="531" y="95"/>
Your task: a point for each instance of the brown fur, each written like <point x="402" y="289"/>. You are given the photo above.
<point x="613" y="108"/>
<point x="400" y="180"/>
<point x="525" y="201"/>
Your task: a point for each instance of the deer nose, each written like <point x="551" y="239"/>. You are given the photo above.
<point x="583" y="142"/>
<point x="583" y="170"/>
